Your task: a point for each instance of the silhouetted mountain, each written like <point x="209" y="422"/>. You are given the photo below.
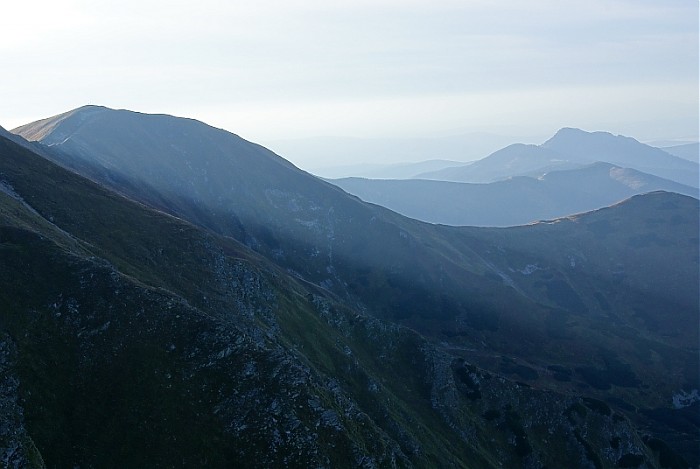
<point x="569" y="149"/>
<point x="514" y="160"/>
<point x="598" y="307"/>
<point x="627" y="152"/>
<point x="515" y="201"/>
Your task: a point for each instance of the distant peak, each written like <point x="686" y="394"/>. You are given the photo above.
<point x="90" y="108"/>
<point x="602" y="165"/>
<point x="571" y="135"/>
<point x="571" y="132"/>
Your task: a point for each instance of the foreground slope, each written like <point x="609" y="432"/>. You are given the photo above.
<point x="515" y="201"/>
<point x="490" y="296"/>
<point x="314" y="229"/>
<point x="131" y="338"/>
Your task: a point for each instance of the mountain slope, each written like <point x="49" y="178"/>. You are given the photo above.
<point x="569" y="149"/>
<point x="131" y="338"/>
<point x="627" y="152"/>
<point x="514" y="160"/>
<point x="398" y="268"/>
<point x="221" y="182"/>
<point x="492" y="297"/>
<point x="515" y="201"/>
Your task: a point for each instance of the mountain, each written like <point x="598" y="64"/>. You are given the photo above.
<point x="514" y="201"/>
<point x="172" y="346"/>
<point x="569" y="149"/>
<point x="689" y="151"/>
<point x="627" y="152"/>
<point x="233" y="187"/>
<point x="131" y="338"/>
<point x="514" y="160"/>
<point x="583" y="322"/>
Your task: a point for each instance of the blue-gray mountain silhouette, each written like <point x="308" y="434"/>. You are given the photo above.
<point x="571" y="148"/>
<point x="515" y="201"/>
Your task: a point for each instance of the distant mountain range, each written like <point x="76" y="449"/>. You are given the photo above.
<point x="172" y="294"/>
<point x="521" y="183"/>
<point x="569" y="149"/>
<point x="514" y="201"/>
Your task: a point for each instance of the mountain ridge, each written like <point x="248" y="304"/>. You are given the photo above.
<point x="570" y="148"/>
<point x="210" y="376"/>
<point x="507" y="300"/>
<point x="514" y="201"/>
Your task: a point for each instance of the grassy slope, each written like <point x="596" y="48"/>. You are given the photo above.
<point x="85" y="330"/>
<point x="158" y="251"/>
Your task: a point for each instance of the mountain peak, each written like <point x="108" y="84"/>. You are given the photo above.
<point x="569" y="135"/>
<point x="89" y="108"/>
<point x="570" y="131"/>
<point x="587" y="147"/>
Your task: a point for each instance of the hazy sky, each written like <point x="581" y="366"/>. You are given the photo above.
<point x="271" y="70"/>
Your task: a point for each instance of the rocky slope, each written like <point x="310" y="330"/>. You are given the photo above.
<point x="505" y="306"/>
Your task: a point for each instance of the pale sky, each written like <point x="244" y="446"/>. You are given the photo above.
<point x="270" y="70"/>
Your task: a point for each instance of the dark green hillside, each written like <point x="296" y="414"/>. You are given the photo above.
<point x="400" y="269"/>
<point x="117" y="370"/>
<point x="454" y="284"/>
<point x="550" y="308"/>
<point x="623" y="278"/>
<point x="131" y="339"/>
